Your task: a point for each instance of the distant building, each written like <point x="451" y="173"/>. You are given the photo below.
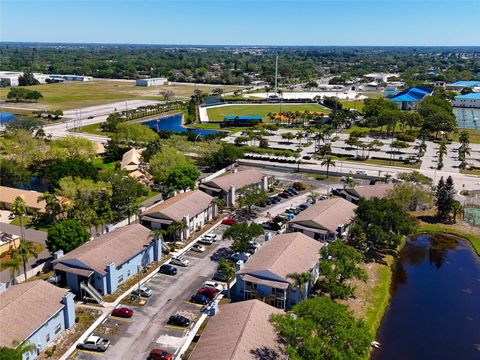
<point x="460" y="85"/>
<point x="9" y="194"/>
<point x="71" y="77"/>
<point x="99" y="266"/>
<point x="408" y="99"/>
<point x="226" y="187"/>
<point x="246" y="120"/>
<point x="366" y="192"/>
<point x="240" y="331"/>
<point x="131" y="160"/>
<point x="151" y="82"/>
<point x="265" y="274"/>
<point x="37" y="312"/>
<point x="11" y="77"/>
<point x="471" y="100"/>
<point x="325" y="220"/>
<point x="195" y="207"/>
<point x="8" y="242"/>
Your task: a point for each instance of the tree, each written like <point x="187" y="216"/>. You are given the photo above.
<point x="56" y="169"/>
<point x="415" y="177"/>
<point x="242" y="234"/>
<point x="224" y="156"/>
<point x="24" y="251"/>
<point x="379" y="226"/>
<point x="338" y="264"/>
<point x="182" y="177"/>
<point x="251" y="195"/>
<point x="167" y="159"/>
<point x="135" y="134"/>
<point x="167" y="94"/>
<point x="27" y="79"/>
<point x="130" y="209"/>
<point x="26" y="123"/>
<point x="19" y="209"/>
<point x="328" y="161"/>
<point x="444" y="198"/>
<point x="17" y="352"/>
<point x="288" y="136"/>
<point x="320" y="329"/>
<point x="75" y="148"/>
<point x="301" y="281"/>
<point x="312" y="196"/>
<point x="410" y="196"/>
<point x="53" y="208"/>
<point x="227" y="269"/>
<point x="13" y="265"/>
<point x="66" y="235"/>
<point x="14" y="174"/>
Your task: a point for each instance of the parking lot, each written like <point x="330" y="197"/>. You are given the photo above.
<point x="148" y="329"/>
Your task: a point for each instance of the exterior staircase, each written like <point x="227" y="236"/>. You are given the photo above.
<point x="90" y="290"/>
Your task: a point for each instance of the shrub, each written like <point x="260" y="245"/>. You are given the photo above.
<point x="406" y="137"/>
<point x="299" y="186"/>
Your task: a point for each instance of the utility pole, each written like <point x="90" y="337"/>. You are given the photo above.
<point x="276" y="72"/>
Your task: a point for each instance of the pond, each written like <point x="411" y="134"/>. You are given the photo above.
<point x="5" y="117"/>
<point x="435" y="307"/>
<point x="174" y="123"/>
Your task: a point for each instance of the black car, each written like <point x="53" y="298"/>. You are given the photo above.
<point x="307" y="157"/>
<point x="303" y="206"/>
<point x="167" y="269"/>
<point x="178" y="320"/>
<point x="271" y="225"/>
<point x="284" y="195"/>
<point x="337" y="192"/>
<point x="219" y="276"/>
<point x="293" y="191"/>
<point x="200" y="299"/>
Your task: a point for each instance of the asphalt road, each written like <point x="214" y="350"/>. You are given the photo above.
<point x="148" y="327"/>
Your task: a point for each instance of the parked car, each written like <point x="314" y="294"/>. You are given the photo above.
<point x="276" y="199"/>
<point x="303" y="206"/>
<point x="361" y="172"/>
<point x="213" y="284"/>
<point x="144" y="292"/>
<point x="94" y="343"/>
<point x="219" y="276"/>
<point x="284" y="195"/>
<point x="123" y="312"/>
<point x="292" y="211"/>
<point x="180" y="261"/>
<point x="159" y="354"/>
<point x="11" y="216"/>
<point x="208" y="292"/>
<point x="221" y="253"/>
<point x="336" y="192"/>
<point x="253" y="247"/>
<point x="205" y="241"/>
<point x="210" y="236"/>
<point x="271" y="225"/>
<point x="293" y="190"/>
<point x="229" y="221"/>
<point x="200" y="299"/>
<point x="198" y="248"/>
<point x="178" y="320"/>
<point x="307" y="157"/>
<point x="324" y="197"/>
<point x="280" y="219"/>
<point x="240" y="256"/>
<point x="168" y="269"/>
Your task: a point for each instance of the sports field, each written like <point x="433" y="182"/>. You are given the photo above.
<point x="71" y="95"/>
<point x="218" y="113"/>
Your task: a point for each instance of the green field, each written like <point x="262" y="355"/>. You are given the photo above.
<point x="218" y="113"/>
<point x="70" y="95"/>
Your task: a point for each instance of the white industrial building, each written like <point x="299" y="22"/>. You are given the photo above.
<point x="71" y="77"/>
<point x="12" y="77"/>
<point x="471" y="100"/>
<point x="151" y="82"/>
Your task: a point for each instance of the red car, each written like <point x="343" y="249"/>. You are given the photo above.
<point x="123" y="312"/>
<point x="228" y="221"/>
<point x="208" y="292"/>
<point x="159" y="354"/>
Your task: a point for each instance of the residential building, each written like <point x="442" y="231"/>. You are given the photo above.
<point x="8" y="242"/>
<point x="265" y="274"/>
<point x="30" y="197"/>
<point x="325" y="220"/>
<point x="131" y="160"/>
<point x="151" y="82"/>
<point x="99" y="266"/>
<point x="226" y="187"/>
<point x="37" y="312"/>
<point x="240" y="331"/>
<point x="471" y="100"/>
<point x="366" y="192"/>
<point x="408" y="99"/>
<point x="380" y="77"/>
<point x="460" y="85"/>
<point x="141" y="176"/>
<point x="195" y="208"/>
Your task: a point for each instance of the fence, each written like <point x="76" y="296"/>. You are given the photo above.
<point x="472" y="215"/>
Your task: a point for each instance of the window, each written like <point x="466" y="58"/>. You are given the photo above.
<point x="128" y="272"/>
<point x="47" y="338"/>
<point x="120" y="278"/>
<point x="58" y="328"/>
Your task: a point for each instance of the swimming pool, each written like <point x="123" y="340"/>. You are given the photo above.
<point x="5" y="117"/>
<point x="174" y="123"/>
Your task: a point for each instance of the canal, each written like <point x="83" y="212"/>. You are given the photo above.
<point x="435" y="306"/>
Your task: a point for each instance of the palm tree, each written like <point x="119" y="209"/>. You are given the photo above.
<point x="328" y="161"/>
<point x="350" y="182"/>
<point x="25" y="250"/>
<point x="301" y="280"/>
<point x="313" y="197"/>
<point x="228" y="270"/>
<point x="20" y="209"/>
<point x="13" y="265"/>
<point x="52" y="205"/>
<point x="130" y="209"/>
<point x="456" y="209"/>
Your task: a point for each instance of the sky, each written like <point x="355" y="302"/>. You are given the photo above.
<point x="228" y="22"/>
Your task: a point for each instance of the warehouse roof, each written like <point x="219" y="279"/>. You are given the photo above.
<point x="415" y="93"/>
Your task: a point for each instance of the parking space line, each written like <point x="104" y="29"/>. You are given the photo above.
<point x="92" y="352"/>
<point x="177" y="327"/>
<point x="120" y="319"/>
<point x="191" y="303"/>
<point x="73" y="354"/>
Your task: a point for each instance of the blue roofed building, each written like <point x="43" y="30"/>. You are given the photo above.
<point x="471" y="100"/>
<point x="408" y="99"/>
<point x="244" y="120"/>
<point x="460" y="85"/>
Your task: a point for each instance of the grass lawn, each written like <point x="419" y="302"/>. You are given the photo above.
<point x="94" y="129"/>
<point x="75" y="94"/>
<point x="42" y="226"/>
<point x="218" y="113"/>
<point x="470" y="172"/>
<point x="474" y="135"/>
<point x="379" y="162"/>
<point x="352" y="104"/>
<point x="100" y="165"/>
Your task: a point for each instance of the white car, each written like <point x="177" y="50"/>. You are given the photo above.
<point x="213" y="284"/>
<point x="211" y="236"/>
<point x="180" y="261"/>
<point x="205" y="241"/>
<point x="198" y="248"/>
